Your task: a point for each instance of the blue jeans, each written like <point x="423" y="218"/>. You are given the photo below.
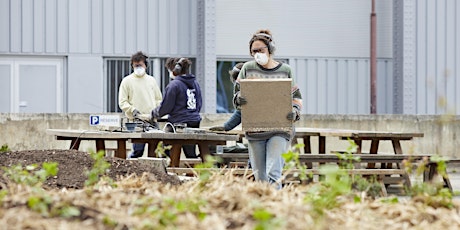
<point x="266" y="160"/>
<point x="138" y="150"/>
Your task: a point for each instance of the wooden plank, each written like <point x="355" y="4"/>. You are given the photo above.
<point x="247" y="171"/>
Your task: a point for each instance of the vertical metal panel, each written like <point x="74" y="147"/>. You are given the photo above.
<point x="5" y="26"/>
<point x="385" y="86"/>
<point x="130" y="32"/>
<point x="137" y="26"/>
<point x="341" y="91"/>
<point x="50" y="26"/>
<point x="6" y="73"/>
<point x="311" y="87"/>
<point x="421" y="69"/>
<point x="440" y="47"/>
<point x="153" y="27"/>
<point x="96" y="26"/>
<point x="321" y="76"/>
<point x="63" y="26"/>
<point x="430" y="58"/>
<point x="456" y="69"/>
<point x="119" y="26"/>
<point x="15" y="28"/>
<point x="39" y="26"/>
<point x="108" y="32"/>
<point x="27" y="33"/>
<point x="331" y="83"/>
<point x="449" y="76"/>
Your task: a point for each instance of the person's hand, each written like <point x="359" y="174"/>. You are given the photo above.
<point x="144" y="117"/>
<point x="241" y="100"/>
<point x="136" y="113"/>
<point x="217" y="128"/>
<point x="292" y="116"/>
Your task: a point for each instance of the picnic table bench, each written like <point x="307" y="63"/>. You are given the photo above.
<point x="384" y="160"/>
<point x="379" y="173"/>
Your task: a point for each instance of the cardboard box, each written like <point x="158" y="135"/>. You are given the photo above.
<point x="269" y="102"/>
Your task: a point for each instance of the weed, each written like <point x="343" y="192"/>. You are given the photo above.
<point x="265" y="220"/>
<point x="323" y="196"/>
<point x="4" y="148"/>
<point x="29" y="175"/>
<point x="205" y="175"/>
<point x="168" y="210"/>
<point x="100" y="167"/>
<point x="292" y="161"/>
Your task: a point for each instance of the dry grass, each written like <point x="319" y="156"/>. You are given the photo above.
<point x="222" y="202"/>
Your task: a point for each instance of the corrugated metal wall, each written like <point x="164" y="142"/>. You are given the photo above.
<point x="102" y="27"/>
<point x="438" y="56"/>
<point x="341" y="86"/>
<point x="427" y="56"/>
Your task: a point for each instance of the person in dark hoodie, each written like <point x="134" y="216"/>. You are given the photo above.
<point x="182" y="100"/>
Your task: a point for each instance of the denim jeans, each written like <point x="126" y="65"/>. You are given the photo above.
<point x="266" y="160"/>
<point x="138" y="150"/>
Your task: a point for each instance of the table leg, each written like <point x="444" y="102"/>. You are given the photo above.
<point x="204" y="150"/>
<point x="100" y="145"/>
<point x="307" y="149"/>
<point x="121" y="149"/>
<point x="152" y="147"/>
<point x="321" y="145"/>
<point x="75" y="144"/>
<point x="175" y="155"/>
<point x="359" y="143"/>
<point x="398" y="150"/>
<point x="374" y="150"/>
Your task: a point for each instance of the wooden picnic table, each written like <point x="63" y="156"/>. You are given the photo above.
<point x="203" y="140"/>
<point x="430" y="169"/>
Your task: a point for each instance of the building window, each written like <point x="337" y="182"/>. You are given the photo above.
<point x="224" y="94"/>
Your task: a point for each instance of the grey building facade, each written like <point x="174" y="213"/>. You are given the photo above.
<point x="67" y="56"/>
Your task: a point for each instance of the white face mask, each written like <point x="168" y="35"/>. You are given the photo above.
<point x="171" y="75"/>
<point x="139" y="71"/>
<point x="261" y="58"/>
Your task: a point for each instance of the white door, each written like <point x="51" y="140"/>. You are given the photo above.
<point x="34" y="85"/>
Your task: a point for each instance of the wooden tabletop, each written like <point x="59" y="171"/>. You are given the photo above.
<point x="140" y="135"/>
<point x="305" y="131"/>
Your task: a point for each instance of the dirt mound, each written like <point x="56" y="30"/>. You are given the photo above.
<point x="73" y="164"/>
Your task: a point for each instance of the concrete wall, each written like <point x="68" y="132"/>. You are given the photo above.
<point x="28" y="131"/>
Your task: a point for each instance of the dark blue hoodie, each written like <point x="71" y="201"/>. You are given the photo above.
<point x="181" y="100"/>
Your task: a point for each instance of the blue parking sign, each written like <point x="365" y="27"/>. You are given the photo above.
<point x="93" y="120"/>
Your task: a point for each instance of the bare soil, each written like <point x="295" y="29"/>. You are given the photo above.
<point x="73" y="164"/>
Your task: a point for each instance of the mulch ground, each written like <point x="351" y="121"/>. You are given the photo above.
<point x="151" y="199"/>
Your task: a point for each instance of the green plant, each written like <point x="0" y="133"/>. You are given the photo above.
<point x="204" y="174"/>
<point x="265" y="220"/>
<point x="29" y="175"/>
<point x="100" y="167"/>
<point x="160" y="151"/>
<point x="347" y="158"/>
<point x="292" y="161"/>
<point x="4" y="148"/>
<point x="323" y="195"/>
<point x="430" y="193"/>
<point x="166" y="211"/>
